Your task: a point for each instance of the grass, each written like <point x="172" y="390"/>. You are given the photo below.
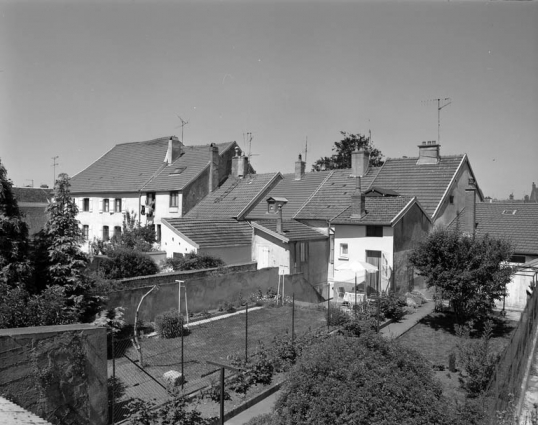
<point x="435" y="338"/>
<point x="214" y="341"/>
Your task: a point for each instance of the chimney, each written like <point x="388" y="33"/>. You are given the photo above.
<point x="358" y="200"/>
<point x="428" y="153"/>
<point x="299" y="168"/>
<point x="174" y="150"/>
<point x="279" y="228"/>
<point x="469" y="217"/>
<point x="214" y="160"/>
<point x="239" y="164"/>
<point x="360" y="160"/>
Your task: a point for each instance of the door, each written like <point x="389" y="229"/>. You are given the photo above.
<point x="372" y="278"/>
<point x="263" y="257"/>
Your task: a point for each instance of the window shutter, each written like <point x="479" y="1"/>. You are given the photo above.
<point x="101" y="201"/>
<point x="123" y="206"/>
<point x="80" y="203"/>
<point x="90" y="231"/>
<point x="91" y="204"/>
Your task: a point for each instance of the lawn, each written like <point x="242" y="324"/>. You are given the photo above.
<point x="435" y="338"/>
<point x="214" y="341"/>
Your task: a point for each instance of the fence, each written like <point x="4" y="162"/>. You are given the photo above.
<point x="215" y="339"/>
<point x="505" y="385"/>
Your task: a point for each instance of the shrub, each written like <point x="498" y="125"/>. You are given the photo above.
<point x="366" y="380"/>
<point x="392" y="307"/>
<point x="170" y="324"/>
<point x="124" y="263"/>
<point x="193" y="261"/>
<point x="337" y="316"/>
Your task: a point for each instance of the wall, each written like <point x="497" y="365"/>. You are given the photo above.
<point x="172" y="242"/>
<point x="195" y="191"/>
<point x="516" y="297"/>
<point x="56" y="372"/>
<point x="230" y="254"/>
<point x="411" y="229"/>
<point x="162" y="207"/>
<point x="208" y="293"/>
<point x="276" y="252"/>
<point x="315" y="269"/>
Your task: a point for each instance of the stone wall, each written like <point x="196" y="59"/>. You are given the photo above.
<point x="56" y="372"/>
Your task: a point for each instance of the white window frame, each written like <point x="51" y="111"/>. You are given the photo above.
<point x="343" y="255"/>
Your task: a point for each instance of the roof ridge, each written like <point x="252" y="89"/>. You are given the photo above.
<point x="377" y="175"/>
<point x="84" y="169"/>
<point x="158" y="139"/>
<point x="313" y="193"/>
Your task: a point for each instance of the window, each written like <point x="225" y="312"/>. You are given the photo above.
<point x="343" y="250"/>
<point x="86" y="204"/>
<point x="451" y="199"/>
<point x="106" y="205"/>
<point x="117" y="230"/>
<point x="517" y="259"/>
<point x="106" y="234"/>
<point x="158" y="233"/>
<point x="85" y="232"/>
<point x="174" y="198"/>
<point x="117" y="205"/>
<point x="374" y="231"/>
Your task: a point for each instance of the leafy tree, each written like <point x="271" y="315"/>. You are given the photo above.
<point x="134" y="236"/>
<point x="471" y="272"/>
<point x="342" y="156"/>
<point x="366" y="380"/>
<point x="64" y="237"/>
<point x="125" y="262"/>
<point x="14" y="244"/>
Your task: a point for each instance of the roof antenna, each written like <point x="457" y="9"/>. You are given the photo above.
<point x="54" y="164"/>
<point x="183" y="124"/>
<point x="250" y="154"/>
<point x="306" y="149"/>
<point x="446" y="101"/>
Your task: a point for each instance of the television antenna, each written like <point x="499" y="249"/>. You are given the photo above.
<point x="306" y="149"/>
<point x="183" y="124"/>
<point x="54" y="164"/>
<point x="250" y="154"/>
<point x="30" y="180"/>
<point x="441" y="103"/>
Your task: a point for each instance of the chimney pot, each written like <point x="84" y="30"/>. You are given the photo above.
<point x="299" y="168"/>
<point x="360" y="161"/>
<point x="240" y="165"/>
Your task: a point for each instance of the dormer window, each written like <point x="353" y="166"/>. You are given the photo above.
<point x="274" y="203"/>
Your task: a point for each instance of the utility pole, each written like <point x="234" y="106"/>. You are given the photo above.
<point x="54" y="164"/>
<point x="445" y="102"/>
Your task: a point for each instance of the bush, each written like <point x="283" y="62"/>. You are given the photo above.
<point x="192" y="261"/>
<point x="392" y="307"/>
<point x="366" y="380"/>
<point x="124" y="263"/>
<point x="336" y="316"/>
<point x="170" y="324"/>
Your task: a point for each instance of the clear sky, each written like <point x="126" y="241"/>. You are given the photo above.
<point x="78" y="77"/>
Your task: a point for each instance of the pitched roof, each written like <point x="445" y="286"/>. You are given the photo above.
<point x="293" y="230"/>
<point x="234" y="196"/>
<point x="35" y="195"/>
<point x="211" y="233"/>
<point x="428" y="182"/>
<point x="380" y="210"/>
<point x="129" y="167"/>
<point x="334" y="194"/>
<point x="521" y="228"/>
<point x="297" y="192"/>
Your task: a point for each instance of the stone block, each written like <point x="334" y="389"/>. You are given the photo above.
<point x="173" y="378"/>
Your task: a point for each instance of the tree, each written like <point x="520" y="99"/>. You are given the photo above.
<point x="133" y="235"/>
<point x="342" y="156"/>
<point x="64" y="237"/>
<point x="14" y="244"/>
<point x="471" y="272"/>
<point x="366" y="380"/>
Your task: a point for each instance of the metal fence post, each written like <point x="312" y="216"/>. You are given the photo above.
<point x="112" y="409"/>
<point x="246" y="334"/>
<point x="182" y="362"/>
<point x="292" y="318"/>
<point x="328" y="308"/>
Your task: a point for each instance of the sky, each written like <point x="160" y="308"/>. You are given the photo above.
<point x="78" y="77"/>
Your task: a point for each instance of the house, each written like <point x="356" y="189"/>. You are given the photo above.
<point x="515" y="222"/>
<point x="152" y="179"/>
<point x="32" y="203"/>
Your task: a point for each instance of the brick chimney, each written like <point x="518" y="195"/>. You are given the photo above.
<point x="360" y="160"/>
<point x="358" y="200"/>
<point x="299" y="168"/>
<point x="214" y="160"/>
<point x="174" y="151"/>
<point x="469" y="215"/>
<point x="428" y="153"/>
<point x="239" y="164"/>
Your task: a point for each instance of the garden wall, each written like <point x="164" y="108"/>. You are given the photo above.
<point x="56" y="372"/>
<point x="208" y="292"/>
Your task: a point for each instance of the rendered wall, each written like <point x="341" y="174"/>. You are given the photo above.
<point x="56" y="372"/>
<point x="276" y="252"/>
<point x="208" y="293"/>
<point x="412" y="228"/>
<point x="230" y="255"/>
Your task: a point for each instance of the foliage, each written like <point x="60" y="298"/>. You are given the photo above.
<point x="133" y="236"/>
<point x="257" y="370"/>
<point x="176" y="412"/>
<point x="125" y="262"/>
<point x="264" y="419"/>
<point x="336" y="316"/>
<point x="141" y="412"/>
<point x="170" y="324"/>
<point x="476" y="359"/>
<point x="367" y="380"/>
<point x="112" y="319"/>
<point x="392" y="306"/>
<point x="471" y="271"/>
<point x="14" y="244"/>
<point x="192" y="261"/>
<point x="342" y="156"/>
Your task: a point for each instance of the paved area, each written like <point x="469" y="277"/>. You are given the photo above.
<point x="393" y="330"/>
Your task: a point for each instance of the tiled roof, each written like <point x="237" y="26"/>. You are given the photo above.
<point x="233" y="196"/>
<point x="380" y="210"/>
<point x="129" y="167"/>
<point x="293" y="230"/>
<point x="334" y="196"/>
<point x="212" y="233"/>
<point x="32" y="195"/>
<point x="297" y="192"/>
<point x="521" y="228"/>
<point x="428" y="182"/>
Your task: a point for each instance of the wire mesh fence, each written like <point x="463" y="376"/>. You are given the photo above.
<point x="147" y="374"/>
<point x="505" y="385"/>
